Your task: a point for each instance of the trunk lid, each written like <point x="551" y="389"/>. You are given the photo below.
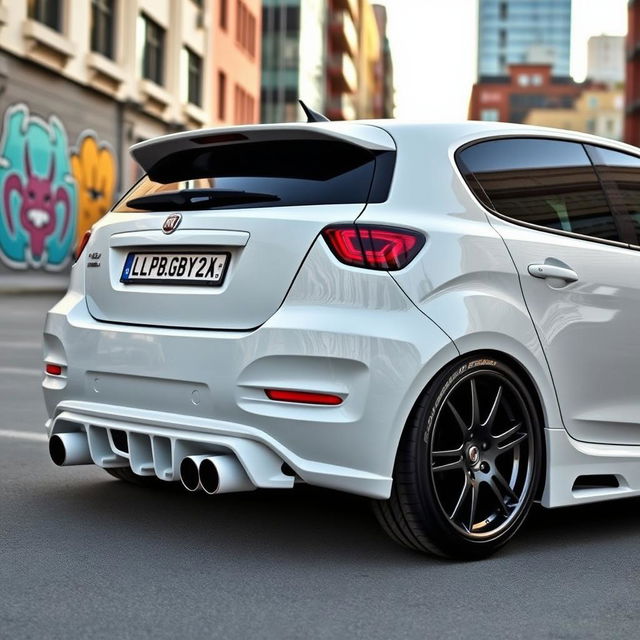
<point x="320" y="175"/>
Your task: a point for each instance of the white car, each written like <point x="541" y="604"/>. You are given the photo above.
<point x="443" y="318"/>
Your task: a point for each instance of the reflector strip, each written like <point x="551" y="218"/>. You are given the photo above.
<point x="53" y="369"/>
<point x="303" y="396"/>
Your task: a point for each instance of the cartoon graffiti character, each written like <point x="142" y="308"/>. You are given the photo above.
<point x="38" y="205"/>
<point x="37" y="192"/>
<point x="94" y="168"/>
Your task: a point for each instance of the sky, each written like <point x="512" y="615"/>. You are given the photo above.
<point x="433" y="44"/>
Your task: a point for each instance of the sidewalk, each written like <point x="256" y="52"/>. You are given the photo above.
<point x="33" y="283"/>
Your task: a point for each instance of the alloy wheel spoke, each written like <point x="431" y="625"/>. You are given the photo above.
<point x="488" y="423"/>
<point x="513" y="443"/>
<point x="505" y="486"/>
<point x="475" y="410"/>
<point x="461" y="499"/>
<point x="499" y="497"/>
<point x="448" y="466"/>
<point x="460" y="422"/>
<point x="448" y="453"/>
<point x="474" y="505"/>
<point x="508" y="433"/>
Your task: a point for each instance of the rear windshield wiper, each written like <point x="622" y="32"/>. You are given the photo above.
<point x="198" y="199"/>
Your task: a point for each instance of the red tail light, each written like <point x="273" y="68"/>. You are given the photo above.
<point x="53" y="369"/>
<point x="82" y="244"/>
<point x="373" y="247"/>
<point x="303" y="396"/>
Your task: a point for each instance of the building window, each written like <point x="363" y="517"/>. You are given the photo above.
<point x="523" y="80"/>
<point x="593" y="102"/>
<point x="536" y="80"/>
<point x="244" y="106"/>
<point x="153" y="50"/>
<point x="102" y="21"/>
<point x="591" y="126"/>
<point x="48" y="12"/>
<point x="490" y="115"/>
<point x="245" y="28"/>
<point x="222" y="94"/>
<point x="504" y="11"/>
<point x="224" y="14"/>
<point x="502" y="34"/>
<point x="502" y="62"/>
<point x="192" y="70"/>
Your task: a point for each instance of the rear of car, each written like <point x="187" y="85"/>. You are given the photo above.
<point x="236" y="304"/>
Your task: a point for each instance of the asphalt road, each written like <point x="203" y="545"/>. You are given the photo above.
<point x="83" y="555"/>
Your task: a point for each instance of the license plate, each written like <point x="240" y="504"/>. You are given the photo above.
<point x="204" y="268"/>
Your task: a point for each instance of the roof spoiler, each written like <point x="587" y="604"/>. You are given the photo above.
<point x="156" y="150"/>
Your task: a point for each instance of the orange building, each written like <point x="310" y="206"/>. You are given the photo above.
<point x="235" y="74"/>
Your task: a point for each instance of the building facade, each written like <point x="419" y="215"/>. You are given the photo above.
<point x="333" y="54"/>
<point x="523" y="31"/>
<point x="606" y="59"/>
<point x="236" y="36"/>
<point x="384" y="96"/>
<point x="80" y="81"/>
<point x="293" y="58"/>
<point x="632" y="80"/>
<point x="510" y="98"/>
<point x="596" y="111"/>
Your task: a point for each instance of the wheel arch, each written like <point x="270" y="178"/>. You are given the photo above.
<point x="527" y="380"/>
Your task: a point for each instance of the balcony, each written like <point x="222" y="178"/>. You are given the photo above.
<point x="342" y="73"/>
<point x="343" y="32"/>
<point x="341" y="108"/>
<point x="349" y="5"/>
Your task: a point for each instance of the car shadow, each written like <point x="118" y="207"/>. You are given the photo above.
<point x="305" y="523"/>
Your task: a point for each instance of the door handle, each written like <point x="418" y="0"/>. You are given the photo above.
<point x="552" y="271"/>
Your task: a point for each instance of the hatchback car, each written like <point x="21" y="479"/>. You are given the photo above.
<point x="439" y="317"/>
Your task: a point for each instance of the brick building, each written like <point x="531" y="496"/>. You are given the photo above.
<point x="527" y="86"/>
<point x="632" y="84"/>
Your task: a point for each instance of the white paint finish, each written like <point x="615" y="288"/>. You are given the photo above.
<point x="588" y="329"/>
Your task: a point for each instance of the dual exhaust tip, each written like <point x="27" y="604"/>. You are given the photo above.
<point x="214" y="474"/>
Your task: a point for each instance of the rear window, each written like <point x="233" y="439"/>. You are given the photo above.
<point x="548" y="183"/>
<point x="294" y="172"/>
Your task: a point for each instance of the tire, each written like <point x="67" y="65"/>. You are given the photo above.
<point x="126" y="474"/>
<point x="468" y="463"/>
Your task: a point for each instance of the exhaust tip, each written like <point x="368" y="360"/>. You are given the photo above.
<point x="57" y="450"/>
<point x="209" y="476"/>
<point x="189" y="474"/>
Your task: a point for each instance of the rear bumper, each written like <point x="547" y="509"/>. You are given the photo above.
<point x="179" y="392"/>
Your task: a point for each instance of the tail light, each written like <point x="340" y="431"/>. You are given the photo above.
<point x="305" y="397"/>
<point x="82" y="244"/>
<point x="373" y="247"/>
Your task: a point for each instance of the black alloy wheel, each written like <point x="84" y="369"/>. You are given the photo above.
<point x="468" y="464"/>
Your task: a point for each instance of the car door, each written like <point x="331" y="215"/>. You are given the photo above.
<point x="580" y="279"/>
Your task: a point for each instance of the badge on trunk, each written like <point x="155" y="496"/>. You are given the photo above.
<point x="171" y="223"/>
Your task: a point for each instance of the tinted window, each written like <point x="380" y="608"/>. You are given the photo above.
<point x="550" y="183"/>
<point x="620" y="173"/>
<point x="296" y="172"/>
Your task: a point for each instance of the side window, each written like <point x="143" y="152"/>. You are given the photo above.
<point x="550" y="183"/>
<point x="620" y="174"/>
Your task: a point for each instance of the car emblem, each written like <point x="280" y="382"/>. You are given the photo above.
<point x="171" y="223"/>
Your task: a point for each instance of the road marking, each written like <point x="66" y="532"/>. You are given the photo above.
<point x="20" y="371"/>
<point x="7" y="344"/>
<point x="23" y="435"/>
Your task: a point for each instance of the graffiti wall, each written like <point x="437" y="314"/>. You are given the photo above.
<point x="50" y="192"/>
